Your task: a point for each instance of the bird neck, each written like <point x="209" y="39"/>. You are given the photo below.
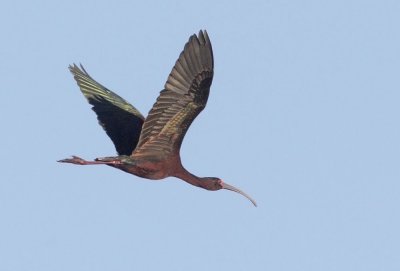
<point x="188" y="177"/>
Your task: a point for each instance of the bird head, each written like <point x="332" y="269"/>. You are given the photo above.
<point x="213" y="184"/>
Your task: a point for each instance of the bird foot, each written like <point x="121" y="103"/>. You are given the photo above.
<point x="74" y="160"/>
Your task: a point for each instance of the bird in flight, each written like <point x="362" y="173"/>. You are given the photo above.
<point x="150" y="147"/>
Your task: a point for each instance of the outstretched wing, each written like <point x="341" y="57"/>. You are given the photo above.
<point x="184" y="96"/>
<point x="121" y="121"/>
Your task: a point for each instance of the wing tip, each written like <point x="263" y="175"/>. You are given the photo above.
<point x="203" y="37"/>
<point x="204" y="40"/>
<point x="78" y="70"/>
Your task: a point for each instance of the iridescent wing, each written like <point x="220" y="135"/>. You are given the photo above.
<point x="184" y="96"/>
<point x="121" y="121"/>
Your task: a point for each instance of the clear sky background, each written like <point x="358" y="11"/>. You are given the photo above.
<point x="303" y="115"/>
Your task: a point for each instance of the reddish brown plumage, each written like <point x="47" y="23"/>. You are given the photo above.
<point x="150" y="148"/>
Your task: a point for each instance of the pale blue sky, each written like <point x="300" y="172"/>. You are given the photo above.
<point x="303" y="115"/>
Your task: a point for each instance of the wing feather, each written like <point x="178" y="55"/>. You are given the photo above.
<point x="184" y="96"/>
<point x="121" y="121"/>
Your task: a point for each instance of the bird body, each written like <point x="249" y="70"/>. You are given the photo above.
<point x="150" y="147"/>
<point x="153" y="169"/>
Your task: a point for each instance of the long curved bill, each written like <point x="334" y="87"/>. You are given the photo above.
<point x="237" y="190"/>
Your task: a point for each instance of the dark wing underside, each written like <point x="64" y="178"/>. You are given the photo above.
<point x="184" y="96"/>
<point x="121" y="121"/>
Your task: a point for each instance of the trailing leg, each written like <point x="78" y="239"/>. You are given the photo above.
<point x="79" y="161"/>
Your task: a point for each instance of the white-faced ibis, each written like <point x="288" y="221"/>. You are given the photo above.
<point x="150" y="148"/>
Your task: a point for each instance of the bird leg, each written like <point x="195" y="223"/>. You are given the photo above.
<point x="79" y="161"/>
